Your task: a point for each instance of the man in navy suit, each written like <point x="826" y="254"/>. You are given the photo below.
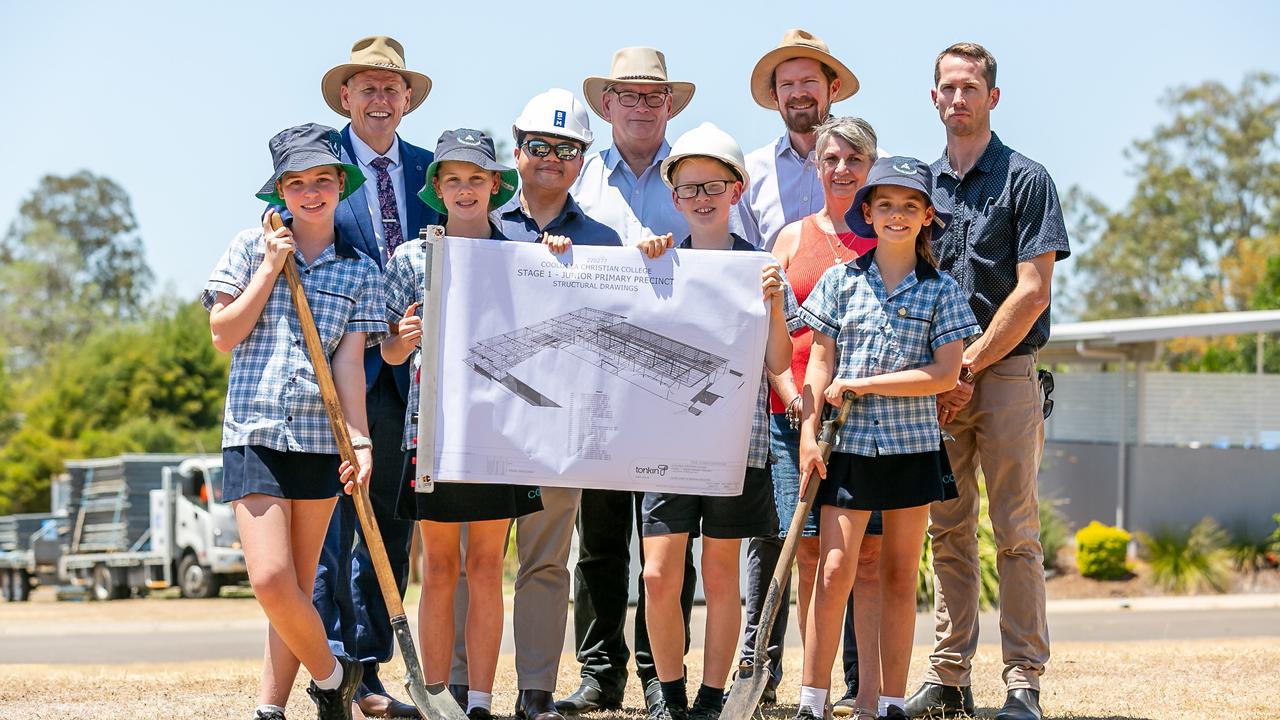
<point x="375" y="91"/>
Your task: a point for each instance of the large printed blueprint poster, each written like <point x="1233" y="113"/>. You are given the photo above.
<point x="598" y="368"/>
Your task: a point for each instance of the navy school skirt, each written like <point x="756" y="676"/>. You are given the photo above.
<point x="249" y="469"/>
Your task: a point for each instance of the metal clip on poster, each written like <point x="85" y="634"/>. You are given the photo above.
<point x="428" y="387"/>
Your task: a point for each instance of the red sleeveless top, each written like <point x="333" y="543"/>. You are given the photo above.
<point x="818" y="250"/>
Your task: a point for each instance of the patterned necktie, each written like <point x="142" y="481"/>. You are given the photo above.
<point x="387" y="205"/>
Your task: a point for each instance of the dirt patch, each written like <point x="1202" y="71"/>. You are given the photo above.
<point x="1086" y="681"/>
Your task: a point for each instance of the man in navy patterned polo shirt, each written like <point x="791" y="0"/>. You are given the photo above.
<point x="1006" y="234"/>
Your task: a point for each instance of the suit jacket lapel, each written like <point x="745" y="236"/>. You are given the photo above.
<point x="357" y="204"/>
<point x="415" y="173"/>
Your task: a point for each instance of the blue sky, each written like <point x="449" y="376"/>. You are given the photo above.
<point x="176" y="101"/>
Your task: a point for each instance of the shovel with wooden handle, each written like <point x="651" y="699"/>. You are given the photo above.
<point x="434" y="702"/>
<point x="746" y="693"/>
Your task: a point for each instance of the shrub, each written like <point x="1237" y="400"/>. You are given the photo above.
<point x="1188" y="561"/>
<point x="1054" y="531"/>
<point x="1101" y="551"/>
<point x="1251" y="553"/>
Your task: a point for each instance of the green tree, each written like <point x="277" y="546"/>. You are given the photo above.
<point x="1208" y="188"/>
<point x="70" y="260"/>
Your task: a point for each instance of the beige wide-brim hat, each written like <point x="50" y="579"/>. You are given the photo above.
<point x="376" y="52"/>
<point x="797" y="43"/>
<point x="638" y="66"/>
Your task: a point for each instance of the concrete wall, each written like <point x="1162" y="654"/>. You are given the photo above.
<point x="1168" y="487"/>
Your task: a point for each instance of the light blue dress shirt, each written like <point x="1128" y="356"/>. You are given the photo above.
<point x="784" y="188"/>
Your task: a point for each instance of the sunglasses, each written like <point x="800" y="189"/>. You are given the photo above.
<point x="541" y="148"/>
<point x="1046" y="388"/>
<point x="713" y="187"/>
<point x="630" y="99"/>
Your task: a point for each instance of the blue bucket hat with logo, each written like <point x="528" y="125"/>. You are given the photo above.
<point x="899" y="170"/>
<point x="475" y="147"/>
<point x="304" y="147"/>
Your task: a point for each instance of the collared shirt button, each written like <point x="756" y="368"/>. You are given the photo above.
<point x="902" y="312"/>
<point x="875" y="422"/>
<point x="288" y="418"/>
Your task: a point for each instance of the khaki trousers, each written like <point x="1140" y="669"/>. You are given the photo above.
<point x="541" y="603"/>
<point x="1001" y="432"/>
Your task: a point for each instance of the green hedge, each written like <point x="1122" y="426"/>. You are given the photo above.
<point x="1102" y="551"/>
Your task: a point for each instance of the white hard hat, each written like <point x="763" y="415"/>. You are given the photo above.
<point x="555" y="112"/>
<point x="706" y="140"/>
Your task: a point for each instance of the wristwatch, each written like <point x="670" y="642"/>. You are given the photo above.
<point x="966" y="374"/>
<point x="361" y="443"/>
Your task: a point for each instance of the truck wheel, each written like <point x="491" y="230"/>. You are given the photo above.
<point x="105" y="586"/>
<point x="196" y="580"/>
<point x="21" y="586"/>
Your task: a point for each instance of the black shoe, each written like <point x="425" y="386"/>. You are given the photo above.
<point x="336" y="704"/>
<point x="661" y="711"/>
<point x="940" y="701"/>
<point x="894" y="713"/>
<point x="536" y="705"/>
<point x="805" y="713"/>
<point x="1021" y="704"/>
<point x="589" y="697"/>
<point x="459" y="695"/>
<point x="652" y="695"/>
<point x="272" y="715"/>
<point x="479" y="714"/>
<point x="702" y="712"/>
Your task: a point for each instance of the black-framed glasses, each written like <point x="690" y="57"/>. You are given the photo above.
<point x="541" y="148"/>
<point x="711" y="187"/>
<point x="630" y="98"/>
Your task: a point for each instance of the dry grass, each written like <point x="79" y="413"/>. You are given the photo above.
<point x="1155" y="680"/>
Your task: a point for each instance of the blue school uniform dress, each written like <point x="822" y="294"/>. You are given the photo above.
<point x="448" y="502"/>
<point x="888" y="454"/>
<point x="276" y="438"/>
<point x="751" y="514"/>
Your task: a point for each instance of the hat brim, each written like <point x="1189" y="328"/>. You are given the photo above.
<point x="510" y="181"/>
<point x="593" y="90"/>
<point x="331" y="85"/>
<point x="669" y="164"/>
<point x="763" y="72"/>
<point x="854" y="218"/>
<point x="299" y="162"/>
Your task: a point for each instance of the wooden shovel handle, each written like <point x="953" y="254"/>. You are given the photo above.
<point x="333" y="408"/>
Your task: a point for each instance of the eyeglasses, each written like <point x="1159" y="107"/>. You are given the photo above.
<point x="541" y="148"/>
<point x="712" y="187"/>
<point x="631" y="99"/>
<point x="1046" y="388"/>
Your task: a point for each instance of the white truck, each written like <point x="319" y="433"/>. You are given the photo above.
<point x="136" y="523"/>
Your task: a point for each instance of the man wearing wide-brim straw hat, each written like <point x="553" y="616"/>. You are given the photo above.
<point x="375" y="89"/>
<point x="622" y="187"/>
<point x="801" y="79"/>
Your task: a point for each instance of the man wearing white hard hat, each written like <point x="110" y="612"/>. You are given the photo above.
<point x="707" y="176"/>
<point x="622" y="187"/>
<point x="552" y="134"/>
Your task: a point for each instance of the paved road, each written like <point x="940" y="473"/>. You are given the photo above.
<point x="154" y="642"/>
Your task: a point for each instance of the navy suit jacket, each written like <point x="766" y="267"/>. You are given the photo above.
<point x="353" y="222"/>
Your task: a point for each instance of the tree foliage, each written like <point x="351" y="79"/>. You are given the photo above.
<point x="1206" y="205"/>
<point x="70" y="260"/>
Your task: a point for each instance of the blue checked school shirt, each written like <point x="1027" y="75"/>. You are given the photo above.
<point x="878" y="332"/>
<point x="758" y="450"/>
<point x="272" y="396"/>
<point x="406" y="279"/>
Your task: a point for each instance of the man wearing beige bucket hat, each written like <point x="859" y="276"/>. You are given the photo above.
<point x="375" y="90"/>
<point x="801" y="79"/>
<point x="622" y="187"/>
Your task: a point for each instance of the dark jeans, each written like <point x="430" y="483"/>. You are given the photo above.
<point x="762" y="559"/>
<point x="606" y="521"/>
<point x="347" y="594"/>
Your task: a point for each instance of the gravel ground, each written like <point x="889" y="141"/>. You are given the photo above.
<point x="1086" y="681"/>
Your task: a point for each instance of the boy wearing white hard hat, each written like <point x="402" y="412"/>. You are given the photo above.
<point x="707" y="176"/>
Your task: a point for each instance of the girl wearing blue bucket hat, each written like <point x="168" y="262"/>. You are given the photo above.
<point x="281" y="468"/>
<point x="889" y="328"/>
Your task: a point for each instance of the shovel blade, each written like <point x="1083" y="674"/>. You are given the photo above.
<point x="745" y="696"/>
<point x="433" y="701"/>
